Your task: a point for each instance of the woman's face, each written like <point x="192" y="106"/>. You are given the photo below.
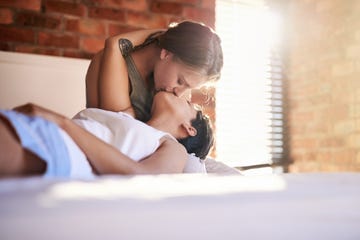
<point x="179" y="107"/>
<point x="175" y="77"/>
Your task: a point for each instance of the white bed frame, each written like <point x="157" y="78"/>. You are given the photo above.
<point x="176" y="207"/>
<point x="54" y="82"/>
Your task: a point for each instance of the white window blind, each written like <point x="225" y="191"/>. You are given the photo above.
<point x="249" y="95"/>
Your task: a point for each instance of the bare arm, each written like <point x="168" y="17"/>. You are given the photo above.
<point x="113" y="83"/>
<point x="170" y="157"/>
<point x="106" y="159"/>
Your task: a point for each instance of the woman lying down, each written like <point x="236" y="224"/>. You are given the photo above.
<point x="34" y="140"/>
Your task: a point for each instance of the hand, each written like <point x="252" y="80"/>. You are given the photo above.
<point x="35" y="110"/>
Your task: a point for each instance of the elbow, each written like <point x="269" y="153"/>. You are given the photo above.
<point x="111" y="43"/>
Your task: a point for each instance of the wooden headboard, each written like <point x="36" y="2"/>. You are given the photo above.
<point x="57" y="83"/>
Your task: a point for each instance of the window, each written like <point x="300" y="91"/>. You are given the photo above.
<point x="249" y="96"/>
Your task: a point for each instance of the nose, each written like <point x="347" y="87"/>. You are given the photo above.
<point x="179" y="91"/>
<point x="172" y="90"/>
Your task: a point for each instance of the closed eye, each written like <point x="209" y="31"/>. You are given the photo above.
<point x="182" y="81"/>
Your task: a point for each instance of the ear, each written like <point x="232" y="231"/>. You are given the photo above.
<point x="164" y="54"/>
<point x="191" y="131"/>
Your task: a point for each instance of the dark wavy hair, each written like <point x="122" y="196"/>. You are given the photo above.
<point x="201" y="143"/>
<point x="194" y="44"/>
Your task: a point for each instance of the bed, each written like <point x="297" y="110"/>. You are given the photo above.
<point x="219" y="204"/>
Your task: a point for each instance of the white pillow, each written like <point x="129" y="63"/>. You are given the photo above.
<point x="217" y="167"/>
<point x="194" y="165"/>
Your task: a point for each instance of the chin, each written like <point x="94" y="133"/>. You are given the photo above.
<point x="163" y="93"/>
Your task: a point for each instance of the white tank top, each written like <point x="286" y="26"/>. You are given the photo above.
<point x="132" y="137"/>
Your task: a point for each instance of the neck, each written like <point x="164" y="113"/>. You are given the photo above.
<point x="162" y="123"/>
<point x="145" y="60"/>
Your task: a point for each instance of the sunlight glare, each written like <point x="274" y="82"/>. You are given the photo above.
<point x="158" y="187"/>
<point x="242" y="94"/>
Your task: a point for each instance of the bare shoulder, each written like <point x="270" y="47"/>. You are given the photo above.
<point x="169" y="157"/>
<point x="170" y="145"/>
<point x="174" y="154"/>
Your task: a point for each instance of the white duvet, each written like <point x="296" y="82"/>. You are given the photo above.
<point x="183" y="206"/>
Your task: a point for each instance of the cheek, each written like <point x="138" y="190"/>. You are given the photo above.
<point x="196" y="81"/>
<point x="163" y="76"/>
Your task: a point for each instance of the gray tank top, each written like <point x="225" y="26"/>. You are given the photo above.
<point x="140" y="96"/>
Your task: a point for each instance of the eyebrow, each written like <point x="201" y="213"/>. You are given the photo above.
<point x="185" y="81"/>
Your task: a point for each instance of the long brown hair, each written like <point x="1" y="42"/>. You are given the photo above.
<point x="194" y="44"/>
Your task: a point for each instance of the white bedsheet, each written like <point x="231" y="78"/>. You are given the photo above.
<point x="184" y="206"/>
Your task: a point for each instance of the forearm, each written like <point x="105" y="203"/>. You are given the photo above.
<point x="137" y="37"/>
<point x="113" y="79"/>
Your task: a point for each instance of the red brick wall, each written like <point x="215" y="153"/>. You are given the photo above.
<point x="78" y="28"/>
<point x="323" y="72"/>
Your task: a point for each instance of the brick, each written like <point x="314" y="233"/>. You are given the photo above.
<point x="325" y="6"/>
<point x="304" y="116"/>
<point x="188" y="2"/>
<point x="30" y="19"/>
<point x="115" y="29"/>
<point x="107" y="13"/>
<point x="295" y="130"/>
<point x="342" y="68"/>
<point x="357" y="35"/>
<point x="135" y="5"/>
<point x="143" y="20"/>
<point x="77" y="54"/>
<point x="92" y="45"/>
<point x="317" y="100"/>
<point x="167" y="7"/>
<point x="353" y="51"/>
<point x="210" y="112"/>
<point x="4" y="46"/>
<point x="201" y="15"/>
<point x="344" y="156"/>
<point x="204" y="97"/>
<point x="108" y="3"/>
<point x="208" y="4"/>
<point x="306" y="143"/>
<point x="6" y="16"/>
<point x="65" y="8"/>
<point x="58" y="40"/>
<point x="34" y="5"/>
<point x="86" y="26"/>
<point x="11" y="34"/>
<point x="357" y="125"/>
<point x="353" y="140"/>
<point x="356" y="92"/>
<point x="37" y="50"/>
<point x="326" y="167"/>
<point x="175" y="19"/>
<point x="323" y="156"/>
<point x="357" y="159"/>
<point x="308" y="166"/>
<point x="321" y="126"/>
<point x="354" y="110"/>
<point x="339" y="112"/>
<point x="335" y="142"/>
